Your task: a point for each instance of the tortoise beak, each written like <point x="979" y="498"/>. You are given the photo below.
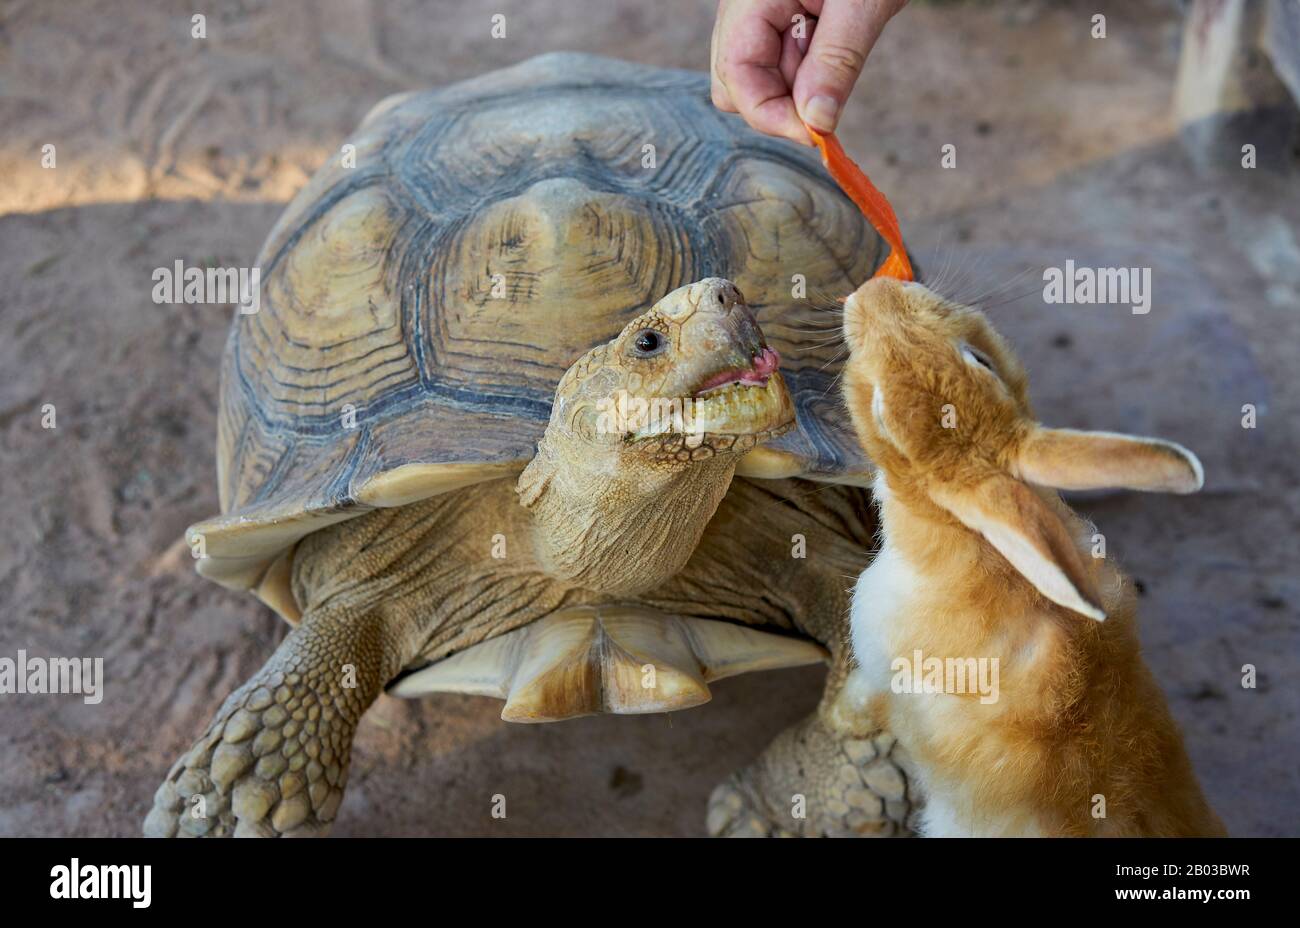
<point x="729" y="394"/>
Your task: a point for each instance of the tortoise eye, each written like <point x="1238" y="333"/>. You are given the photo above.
<point x="648" y="343"/>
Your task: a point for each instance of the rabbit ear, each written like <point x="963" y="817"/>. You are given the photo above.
<point x="1024" y="530"/>
<point x="1070" y="460"/>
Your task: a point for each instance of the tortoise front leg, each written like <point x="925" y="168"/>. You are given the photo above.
<point x="834" y="774"/>
<point x="275" y="759"/>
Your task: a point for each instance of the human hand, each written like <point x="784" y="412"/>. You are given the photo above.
<point x="778" y="80"/>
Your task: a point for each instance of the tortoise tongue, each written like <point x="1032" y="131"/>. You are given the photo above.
<point x="764" y="365"/>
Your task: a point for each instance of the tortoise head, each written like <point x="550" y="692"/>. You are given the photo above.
<point x="644" y="438"/>
<point x="689" y="379"/>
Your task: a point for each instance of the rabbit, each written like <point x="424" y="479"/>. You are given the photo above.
<point x="981" y="559"/>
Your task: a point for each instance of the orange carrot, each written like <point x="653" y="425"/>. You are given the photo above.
<point x="872" y="202"/>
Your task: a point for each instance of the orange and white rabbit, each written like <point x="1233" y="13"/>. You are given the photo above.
<point x="981" y="561"/>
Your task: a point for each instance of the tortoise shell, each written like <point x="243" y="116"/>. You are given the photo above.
<point x="419" y="306"/>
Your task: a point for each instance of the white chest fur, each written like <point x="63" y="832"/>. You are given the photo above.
<point x="881" y="594"/>
<point x="889" y="593"/>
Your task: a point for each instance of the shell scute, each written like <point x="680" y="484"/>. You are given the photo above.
<point x="419" y="309"/>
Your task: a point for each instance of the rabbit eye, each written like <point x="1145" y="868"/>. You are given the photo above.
<point x="975" y="356"/>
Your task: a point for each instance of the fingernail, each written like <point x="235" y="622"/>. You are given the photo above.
<point x="821" y="113"/>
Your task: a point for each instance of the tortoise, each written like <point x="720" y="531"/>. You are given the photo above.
<point x="432" y="462"/>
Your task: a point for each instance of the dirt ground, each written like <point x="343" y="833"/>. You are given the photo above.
<point x="172" y="148"/>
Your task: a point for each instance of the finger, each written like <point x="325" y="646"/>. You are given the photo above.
<point x="777" y="117"/>
<point x="845" y="34"/>
<point x="749" y="49"/>
<point x="717" y="89"/>
<point x="792" y="53"/>
<point x="721" y="99"/>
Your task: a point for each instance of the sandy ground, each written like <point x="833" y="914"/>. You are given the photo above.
<point x="170" y="147"/>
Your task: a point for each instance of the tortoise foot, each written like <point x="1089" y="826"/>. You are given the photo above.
<point x="273" y="763"/>
<point x="275" y="760"/>
<point x="812" y="782"/>
<point x="735" y="812"/>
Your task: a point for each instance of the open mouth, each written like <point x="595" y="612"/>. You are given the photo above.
<point x="750" y="402"/>
<point x="764" y="366"/>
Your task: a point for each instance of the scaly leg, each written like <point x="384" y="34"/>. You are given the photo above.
<point x="834" y="774"/>
<point x="842" y="787"/>
<point x="275" y="759"/>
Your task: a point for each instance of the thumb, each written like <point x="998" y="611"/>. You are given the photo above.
<point x="845" y="34"/>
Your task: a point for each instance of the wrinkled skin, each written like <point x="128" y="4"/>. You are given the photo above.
<point x="613" y="511"/>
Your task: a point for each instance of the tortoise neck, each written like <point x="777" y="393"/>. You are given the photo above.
<point x="615" y="521"/>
